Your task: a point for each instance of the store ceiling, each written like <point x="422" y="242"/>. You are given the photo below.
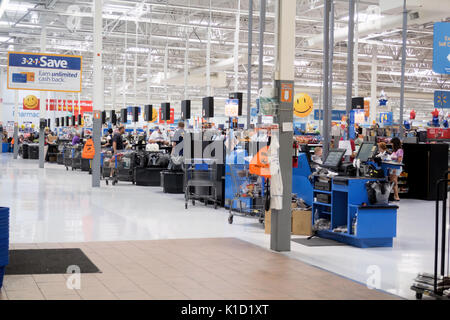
<point x="144" y="31"/>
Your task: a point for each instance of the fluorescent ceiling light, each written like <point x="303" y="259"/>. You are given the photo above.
<point x="18" y="7"/>
<point x="301" y="63"/>
<point x="3" y="6"/>
<point x="138" y="50"/>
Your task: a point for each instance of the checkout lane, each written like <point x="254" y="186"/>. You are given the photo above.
<point x="350" y="200"/>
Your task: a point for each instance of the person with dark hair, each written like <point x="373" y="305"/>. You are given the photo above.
<point x="117" y="145"/>
<point x="397" y="156"/>
<point x="109" y="138"/>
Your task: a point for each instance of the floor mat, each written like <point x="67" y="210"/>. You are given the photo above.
<point x="48" y="261"/>
<point x="318" y="242"/>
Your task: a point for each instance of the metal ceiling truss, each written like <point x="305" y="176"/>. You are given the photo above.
<point x="181" y="24"/>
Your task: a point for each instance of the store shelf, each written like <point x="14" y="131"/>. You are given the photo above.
<point x="323" y="191"/>
<point x="322" y="204"/>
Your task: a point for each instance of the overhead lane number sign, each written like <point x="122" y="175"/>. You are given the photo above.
<point x="45" y="72"/>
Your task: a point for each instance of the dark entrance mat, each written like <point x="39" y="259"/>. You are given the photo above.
<point x="318" y="242"/>
<point x="46" y="261"/>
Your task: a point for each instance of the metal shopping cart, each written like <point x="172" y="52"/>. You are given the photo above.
<point x="437" y="284"/>
<point x="122" y="165"/>
<point x="201" y="181"/>
<point x="67" y="156"/>
<point x="247" y="193"/>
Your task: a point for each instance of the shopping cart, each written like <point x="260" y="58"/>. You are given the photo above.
<point x="76" y="157"/>
<point x="201" y="182"/>
<point x="437" y="284"/>
<point x="247" y="193"/>
<point x="122" y="165"/>
<point x="67" y="151"/>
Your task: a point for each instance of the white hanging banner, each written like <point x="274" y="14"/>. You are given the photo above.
<point x="44" y="72"/>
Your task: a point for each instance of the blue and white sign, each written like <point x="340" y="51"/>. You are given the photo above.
<point x="45" y="72"/>
<point x="441" y="48"/>
<point x="336" y="115"/>
<point x="442" y="99"/>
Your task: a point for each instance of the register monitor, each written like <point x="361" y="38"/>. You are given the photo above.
<point x="366" y="151"/>
<point x="334" y="159"/>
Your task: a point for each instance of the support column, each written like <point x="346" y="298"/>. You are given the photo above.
<point x="280" y="239"/>
<point x="373" y="86"/>
<point x="350" y="46"/>
<point x="356" y="51"/>
<point x="16" y="123"/>
<point x="208" y="55"/>
<point x="98" y="90"/>
<point x="402" y="88"/>
<point x="249" y="64"/>
<point x="262" y="29"/>
<point x="326" y="79"/>
<point x="42" y="105"/>
<point x="237" y="33"/>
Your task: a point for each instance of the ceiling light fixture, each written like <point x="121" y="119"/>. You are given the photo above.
<point x="3" y="6"/>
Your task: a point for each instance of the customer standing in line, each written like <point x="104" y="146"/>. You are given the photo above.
<point x="396" y="156"/>
<point x="117" y="145"/>
<point x="177" y="139"/>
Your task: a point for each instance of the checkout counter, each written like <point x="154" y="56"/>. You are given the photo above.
<point x="341" y="209"/>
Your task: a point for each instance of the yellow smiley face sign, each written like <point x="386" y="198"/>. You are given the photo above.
<point x="30" y="102"/>
<point x="303" y="105"/>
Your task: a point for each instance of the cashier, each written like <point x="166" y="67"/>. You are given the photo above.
<point x="317" y="157"/>
<point x="159" y="137"/>
<point x="396" y="156"/>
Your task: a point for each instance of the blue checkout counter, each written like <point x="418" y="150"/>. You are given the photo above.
<point x="301" y="185"/>
<point x="376" y="225"/>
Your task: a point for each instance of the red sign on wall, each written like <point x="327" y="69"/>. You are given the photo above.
<point x="70" y="106"/>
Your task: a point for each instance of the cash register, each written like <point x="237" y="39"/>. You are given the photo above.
<point x="333" y="160"/>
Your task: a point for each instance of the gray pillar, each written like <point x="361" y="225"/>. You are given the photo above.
<point x="262" y="29"/>
<point x="330" y="67"/>
<point x="43" y="101"/>
<point x="350" y="53"/>
<point x="95" y="163"/>
<point x="41" y="145"/>
<point x="280" y="239"/>
<point x="402" y="89"/>
<point x="249" y="67"/>
<point x="16" y="140"/>
<point x="16" y="123"/>
<point x="326" y="80"/>
<point x="98" y="91"/>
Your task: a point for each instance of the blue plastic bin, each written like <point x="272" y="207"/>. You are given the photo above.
<point x="4" y="242"/>
<point x="5" y="147"/>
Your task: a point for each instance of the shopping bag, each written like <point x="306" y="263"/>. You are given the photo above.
<point x="88" y="150"/>
<point x="260" y="165"/>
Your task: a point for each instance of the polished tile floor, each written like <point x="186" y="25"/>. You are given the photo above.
<point x="56" y="206"/>
<point x="197" y="269"/>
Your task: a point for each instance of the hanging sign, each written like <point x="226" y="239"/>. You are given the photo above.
<point x="44" y="72"/>
<point x="303" y="105"/>
<point x="232" y="107"/>
<point x="442" y="99"/>
<point x="441" y="47"/>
